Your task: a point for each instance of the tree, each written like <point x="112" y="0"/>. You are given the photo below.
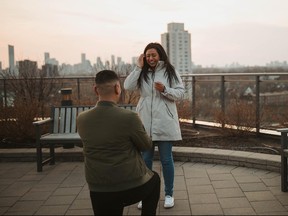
<point x="32" y="94"/>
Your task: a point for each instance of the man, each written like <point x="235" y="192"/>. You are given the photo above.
<point x="112" y="141"/>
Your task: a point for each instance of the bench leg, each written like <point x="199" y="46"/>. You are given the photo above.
<point x="52" y="154"/>
<point x="39" y="157"/>
<point x="284" y="183"/>
<point x="284" y="144"/>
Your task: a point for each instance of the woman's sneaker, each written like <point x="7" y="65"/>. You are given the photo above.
<point x="139" y="205"/>
<point x="169" y="201"/>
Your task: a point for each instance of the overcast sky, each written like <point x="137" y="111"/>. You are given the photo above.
<point x="250" y="32"/>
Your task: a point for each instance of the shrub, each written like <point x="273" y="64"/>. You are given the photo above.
<point x="16" y="124"/>
<point x="239" y="118"/>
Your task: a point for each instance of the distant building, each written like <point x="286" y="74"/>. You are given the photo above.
<point x="50" y="70"/>
<point x="177" y="44"/>
<point x="28" y="68"/>
<point x="99" y="64"/>
<point x="84" y="67"/>
<point x="119" y="61"/>
<point x="11" y="58"/>
<point x="113" y="64"/>
<point x="83" y="58"/>
<point x="134" y="60"/>
<point x="53" y="61"/>
<point x="46" y="57"/>
<point x="278" y="64"/>
<point x="50" y="61"/>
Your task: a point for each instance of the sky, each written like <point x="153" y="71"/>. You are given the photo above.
<point x="250" y="32"/>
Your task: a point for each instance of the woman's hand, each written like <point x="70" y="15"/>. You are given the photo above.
<point x="140" y="62"/>
<point x="159" y="86"/>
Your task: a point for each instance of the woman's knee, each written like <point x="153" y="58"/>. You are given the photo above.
<point x="166" y="160"/>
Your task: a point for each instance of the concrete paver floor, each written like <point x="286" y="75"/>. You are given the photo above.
<point x="200" y="189"/>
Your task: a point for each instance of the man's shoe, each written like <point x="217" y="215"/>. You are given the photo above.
<point x="169" y="202"/>
<point x="139" y="205"/>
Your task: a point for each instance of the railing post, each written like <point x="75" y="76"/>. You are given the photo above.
<point x="222" y="98"/>
<point x="78" y="89"/>
<point x="5" y="93"/>
<point x="193" y="101"/>
<point x="284" y="144"/>
<point x="38" y="149"/>
<point x="257" y="103"/>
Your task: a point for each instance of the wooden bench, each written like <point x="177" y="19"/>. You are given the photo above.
<point x="62" y="131"/>
<point x="284" y="155"/>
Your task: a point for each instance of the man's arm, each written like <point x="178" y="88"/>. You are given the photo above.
<point x="139" y="136"/>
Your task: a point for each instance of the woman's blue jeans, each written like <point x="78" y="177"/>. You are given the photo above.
<point x="167" y="162"/>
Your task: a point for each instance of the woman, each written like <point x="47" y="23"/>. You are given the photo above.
<point x="160" y="86"/>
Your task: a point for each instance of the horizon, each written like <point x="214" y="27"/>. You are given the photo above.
<point x="231" y="65"/>
<point x="251" y="33"/>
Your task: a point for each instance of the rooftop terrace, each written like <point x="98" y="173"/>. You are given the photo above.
<point x="207" y="182"/>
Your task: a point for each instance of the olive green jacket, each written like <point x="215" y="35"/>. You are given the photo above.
<point x="113" y="138"/>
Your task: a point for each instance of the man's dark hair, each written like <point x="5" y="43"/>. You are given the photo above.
<point x="106" y="76"/>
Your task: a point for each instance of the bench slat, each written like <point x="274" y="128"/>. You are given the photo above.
<point x="62" y="120"/>
<point x="63" y="138"/>
<point x="68" y="120"/>
<point x="80" y="109"/>
<point x="56" y="120"/>
<point x="73" y="120"/>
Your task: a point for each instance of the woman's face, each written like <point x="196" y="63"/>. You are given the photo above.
<point x="152" y="57"/>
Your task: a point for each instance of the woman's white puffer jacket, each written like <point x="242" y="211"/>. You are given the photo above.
<point x="158" y="111"/>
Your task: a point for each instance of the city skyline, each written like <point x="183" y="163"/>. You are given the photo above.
<point x="222" y="31"/>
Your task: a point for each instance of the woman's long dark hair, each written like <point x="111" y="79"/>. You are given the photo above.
<point x="170" y="70"/>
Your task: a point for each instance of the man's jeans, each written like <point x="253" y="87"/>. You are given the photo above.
<point x="167" y="162"/>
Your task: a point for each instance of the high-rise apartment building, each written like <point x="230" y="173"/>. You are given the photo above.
<point x="113" y="64"/>
<point x="177" y="44"/>
<point x="83" y="58"/>
<point x="46" y="57"/>
<point x="11" y="58"/>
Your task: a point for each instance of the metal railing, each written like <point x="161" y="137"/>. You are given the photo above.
<point x="262" y="96"/>
<point x="206" y="94"/>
